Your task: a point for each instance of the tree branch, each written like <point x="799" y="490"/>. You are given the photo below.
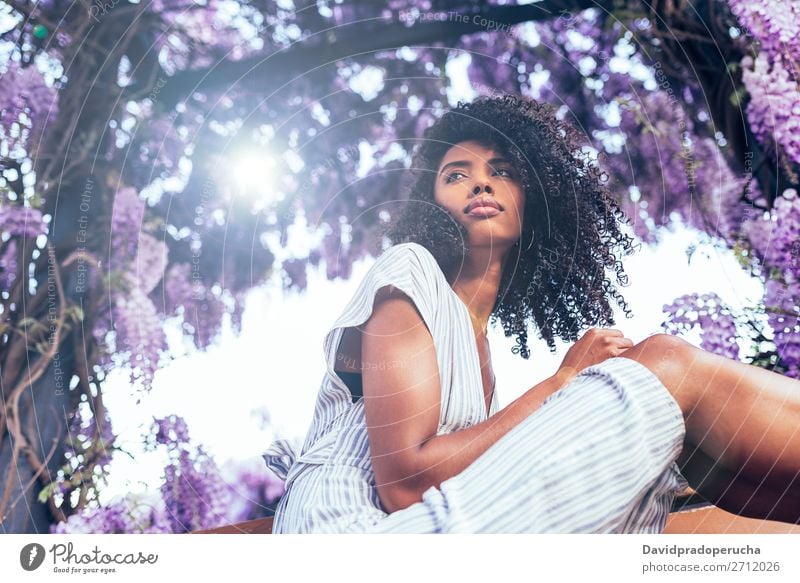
<point x="348" y="40"/>
<point x="13" y="420"/>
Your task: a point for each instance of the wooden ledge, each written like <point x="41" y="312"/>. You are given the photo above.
<point x="257" y="526"/>
<point x="706" y="520"/>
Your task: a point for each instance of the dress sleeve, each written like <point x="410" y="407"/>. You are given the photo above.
<point x="409" y="267"/>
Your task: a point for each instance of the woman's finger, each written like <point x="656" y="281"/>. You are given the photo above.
<point x="624" y="345"/>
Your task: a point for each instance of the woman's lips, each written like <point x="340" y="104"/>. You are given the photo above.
<point x="484" y="211"/>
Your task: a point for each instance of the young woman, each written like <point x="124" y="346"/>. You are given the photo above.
<point x="507" y="220"/>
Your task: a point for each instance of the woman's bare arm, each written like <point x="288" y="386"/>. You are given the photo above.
<point x="444" y="456"/>
<point x="402" y="395"/>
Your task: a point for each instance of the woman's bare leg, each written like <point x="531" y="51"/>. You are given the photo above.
<point x="732" y="492"/>
<point x="745" y="417"/>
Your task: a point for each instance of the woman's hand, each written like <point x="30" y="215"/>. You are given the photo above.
<point x="596" y="345"/>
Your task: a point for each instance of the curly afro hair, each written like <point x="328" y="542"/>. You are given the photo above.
<point x="570" y="233"/>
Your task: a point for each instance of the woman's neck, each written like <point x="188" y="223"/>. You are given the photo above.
<point x="477" y="283"/>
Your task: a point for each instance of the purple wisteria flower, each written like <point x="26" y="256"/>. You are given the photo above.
<point x="202" y="310"/>
<point x="783" y="252"/>
<point x="140" y="334"/>
<point x="133" y="514"/>
<point x="126" y="222"/>
<point x="782" y="290"/>
<point x="148" y="266"/>
<point x="775" y="24"/>
<point x="195" y="495"/>
<point x="141" y="259"/>
<point x="771" y="77"/>
<point x="170" y="430"/>
<point x="705" y="194"/>
<point x="253" y="490"/>
<point x="774" y="104"/>
<point x="783" y="314"/>
<point x="709" y="312"/>
<point x="108" y="520"/>
<point x="23" y="221"/>
<point x="23" y="90"/>
<point x="8" y="266"/>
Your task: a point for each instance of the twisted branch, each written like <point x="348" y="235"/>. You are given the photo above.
<point x="13" y="422"/>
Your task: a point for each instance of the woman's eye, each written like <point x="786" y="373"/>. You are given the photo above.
<point x="450" y="176"/>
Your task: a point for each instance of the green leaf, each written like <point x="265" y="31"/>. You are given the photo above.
<point x="738" y="96"/>
<point x="45" y="492"/>
<point x="79" y="313"/>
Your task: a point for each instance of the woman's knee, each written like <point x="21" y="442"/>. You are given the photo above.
<point x="670" y="358"/>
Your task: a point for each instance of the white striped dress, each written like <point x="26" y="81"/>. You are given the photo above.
<point x="597" y="456"/>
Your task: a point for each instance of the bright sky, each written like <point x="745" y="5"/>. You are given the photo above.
<point x="277" y="362"/>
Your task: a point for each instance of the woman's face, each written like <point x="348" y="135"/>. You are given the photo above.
<point x="469" y="174"/>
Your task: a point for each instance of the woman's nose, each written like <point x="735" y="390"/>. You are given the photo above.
<point x="477" y="188"/>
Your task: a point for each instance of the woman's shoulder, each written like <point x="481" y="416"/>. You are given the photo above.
<point x="409" y="268"/>
<point x="407" y="249"/>
<point x="406" y="265"/>
<point x="409" y="256"/>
